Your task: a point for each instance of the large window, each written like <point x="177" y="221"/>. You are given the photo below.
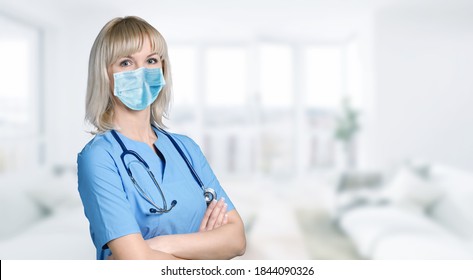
<point x="15" y="89"/>
<point x="20" y="121"/>
<point x="332" y="77"/>
<point x="276" y="75"/>
<point x="184" y="68"/>
<point x="225" y="78"/>
<point x="265" y="108"/>
<point x="324" y="81"/>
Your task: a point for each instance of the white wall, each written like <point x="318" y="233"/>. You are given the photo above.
<point x="424" y="85"/>
<point x="422" y="59"/>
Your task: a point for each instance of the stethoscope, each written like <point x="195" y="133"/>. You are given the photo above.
<point x="209" y="193"/>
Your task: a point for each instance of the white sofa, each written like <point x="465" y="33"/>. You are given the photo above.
<point x="422" y="218"/>
<point x="42" y="217"/>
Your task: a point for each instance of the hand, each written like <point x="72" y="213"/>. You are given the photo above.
<point x="215" y="216"/>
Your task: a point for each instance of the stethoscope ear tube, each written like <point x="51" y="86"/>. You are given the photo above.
<point x="161" y="211"/>
<point x="184" y="157"/>
<point x="209" y="193"/>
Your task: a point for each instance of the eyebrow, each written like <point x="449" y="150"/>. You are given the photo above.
<point x="150" y="55"/>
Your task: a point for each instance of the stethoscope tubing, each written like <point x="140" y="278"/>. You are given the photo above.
<point x="209" y="193"/>
<point x="184" y="157"/>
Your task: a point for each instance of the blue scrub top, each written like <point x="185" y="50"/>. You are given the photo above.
<point x="115" y="208"/>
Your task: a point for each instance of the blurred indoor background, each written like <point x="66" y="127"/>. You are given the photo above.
<point x="341" y="129"/>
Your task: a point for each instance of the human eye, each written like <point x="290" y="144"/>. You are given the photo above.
<point x="125" y="63"/>
<point x="153" y="60"/>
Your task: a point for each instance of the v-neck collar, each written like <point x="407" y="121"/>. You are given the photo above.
<point x="140" y="146"/>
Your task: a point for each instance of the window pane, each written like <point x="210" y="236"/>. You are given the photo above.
<point x="15" y="87"/>
<point x="324" y="77"/>
<point x="276" y="76"/>
<point x="20" y="123"/>
<point x="183" y="63"/>
<point x="225" y="77"/>
<point x="354" y="76"/>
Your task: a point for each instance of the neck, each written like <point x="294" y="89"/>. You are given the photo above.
<point x="134" y="124"/>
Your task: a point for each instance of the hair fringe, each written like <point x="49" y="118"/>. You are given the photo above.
<point x="118" y="38"/>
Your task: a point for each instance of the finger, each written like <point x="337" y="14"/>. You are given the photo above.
<point x="225" y="219"/>
<point x="215" y="213"/>
<point x="221" y="216"/>
<point x="208" y="212"/>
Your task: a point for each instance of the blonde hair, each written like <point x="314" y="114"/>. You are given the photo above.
<point x="118" y="38"/>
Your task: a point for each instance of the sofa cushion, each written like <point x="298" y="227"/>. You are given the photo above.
<point x="18" y="211"/>
<point x="455" y="209"/>
<point x="421" y="245"/>
<point x="369" y="226"/>
<point x="409" y="191"/>
<point x="56" y="192"/>
<point x="26" y="199"/>
<point x="64" y="235"/>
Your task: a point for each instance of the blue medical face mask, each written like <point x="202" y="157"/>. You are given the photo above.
<point x="139" y="88"/>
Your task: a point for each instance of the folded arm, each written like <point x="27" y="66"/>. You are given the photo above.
<point x="221" y="236"/>
<point x="224" y="242"/>
<point x="134" y="247"/>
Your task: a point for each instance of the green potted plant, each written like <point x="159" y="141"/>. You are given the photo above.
<point x="346" y="127"/>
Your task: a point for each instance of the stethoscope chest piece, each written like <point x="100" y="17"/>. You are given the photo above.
<point x="209" y="195"/>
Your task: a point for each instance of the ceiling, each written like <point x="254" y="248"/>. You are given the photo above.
<point x="229" y="7"/>
<point x="219" y="18"/>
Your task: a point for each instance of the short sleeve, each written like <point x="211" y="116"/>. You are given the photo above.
<point x="104" y="199"/>
<point x="203" y="169"/>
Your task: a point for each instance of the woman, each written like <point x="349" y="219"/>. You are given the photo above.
<point x="133" y="213"/>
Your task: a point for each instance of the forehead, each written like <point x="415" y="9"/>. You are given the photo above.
<point x="131" y="45"/>
<point x="126" y="39"/>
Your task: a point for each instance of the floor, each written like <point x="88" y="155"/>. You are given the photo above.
<point x="290" y="222"/>
<point x="323" y="238"/>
